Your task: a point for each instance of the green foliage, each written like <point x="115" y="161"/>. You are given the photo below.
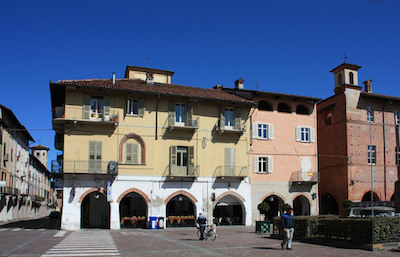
<point x="347" y="204"/>
<point x="263" y="207"/>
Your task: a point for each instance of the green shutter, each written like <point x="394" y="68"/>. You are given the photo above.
<point x="128" y="153"/>
<point x="141" y="106"/>
<point x="107" y="106"/>
<point x="222" y="118"/>
<point x="171" y="113"/>
<point x="86" y="107"/>
<point x="189" y="114"/>
<point x="238" y="118"/>
<point x="191" y="160"/>
<point x="172" y="159"/>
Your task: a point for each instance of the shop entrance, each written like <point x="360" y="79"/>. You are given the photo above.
<point x="180" y="212"/>
<point x="229" y="211"/>
<point x="95" y="211"/>
<point x="133" y="211"/>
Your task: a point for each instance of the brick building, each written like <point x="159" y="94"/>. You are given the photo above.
<point x="358" y="135"/>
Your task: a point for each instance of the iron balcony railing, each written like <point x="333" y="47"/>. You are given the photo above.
<point x="90" y="166"/>
<point x="185" y="171"/>
<point x="76" y="113"/>
<point x="231" y="171"/>
<point x="9" y="190"/>
<point x="192" y="125"/>
<point x="304" y="177"/>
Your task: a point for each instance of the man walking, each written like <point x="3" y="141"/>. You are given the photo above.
<point x="288" y="229"/>
<point x="202" y="221"/>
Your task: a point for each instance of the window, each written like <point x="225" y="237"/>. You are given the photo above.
<point x="351" y="78"/>
<point x="132" y="153"/>
<point x="96" y="108"/>
<point x="263" y="131"/>
<point x="372" y="154"/>
<point x="132" y="107"/>
<point x="264" y="106"/>
<point x="339" y="79"/>
<point x="180" y="114"/>
<point x="95" y="148"/>
<point x="181" y="160"/>
<point x="282" y="107"/>
<point x="229" y="122"/>
<point x="301" y="109"/>
<point x="329" y="119"/>
<point x="262" y="164"/>
<point x="370" y="114"/>
<point x="396" y="118"/>
<point x="305" y="134"/>
<point x="398" y="155"/>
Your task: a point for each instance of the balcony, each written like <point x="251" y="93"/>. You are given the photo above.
<point x="223" y="129"/>
<point x="75" y="115"/>
<point x="191" y="125"/>
<point x="85" y="167"/>
<point x="9" y="190"/>
<point x="230" y="173"/>
<point x="304" y="177"/>
<point x="176" y="173"/>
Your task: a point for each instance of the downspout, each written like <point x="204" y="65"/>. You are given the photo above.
<point x="158" y="99"/>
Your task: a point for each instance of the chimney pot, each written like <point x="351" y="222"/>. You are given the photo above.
<point x="149" y="78"/>
<point x="239" y="84"/>
<point x="113" y="78"/>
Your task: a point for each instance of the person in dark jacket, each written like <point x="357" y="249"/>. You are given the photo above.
<point x="288" y="229"/>
<point x="202" y="221"/>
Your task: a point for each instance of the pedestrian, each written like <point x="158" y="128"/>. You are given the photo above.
<point x="202" y="221"/>
<point x="288" y="229"/>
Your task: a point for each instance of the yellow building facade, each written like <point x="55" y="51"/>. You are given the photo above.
<point x="141" y="151"/>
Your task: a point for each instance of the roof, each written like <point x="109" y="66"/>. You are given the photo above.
<point x="141" y="87"/>
<point x="19" y="126"/>
<point x="386" y="97"/>
<point x="40" y="147"/>
<point x="136" y="68"/>
<point x="346" y="65"/>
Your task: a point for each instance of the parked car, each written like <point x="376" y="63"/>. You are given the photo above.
<point x="380" y="211"/>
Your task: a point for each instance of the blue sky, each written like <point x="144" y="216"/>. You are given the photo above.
<point x="286" y="46"/>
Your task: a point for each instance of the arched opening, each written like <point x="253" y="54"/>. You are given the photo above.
<point x="301" y="109"/>
<point x="301" y="206"/>
<point x="329" y="205"/>
<point x="351" y="78"/>
<point x="132" y="150"/>
<point x="282" y="107"/>
<point x="367" y="197"/>
<point x="264" y="106"/>
<point x="275" y="207"/>
<point x="95" y="211"/>
<point x="133" y="211"/>
<point x="181" y="212"/>
<point x="329" y="119"/>
<point x="229" y="211"/>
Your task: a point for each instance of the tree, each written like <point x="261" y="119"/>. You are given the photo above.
<point x="263" y="208"/>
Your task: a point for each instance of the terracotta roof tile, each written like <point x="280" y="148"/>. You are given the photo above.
<point x="140" y="86"/>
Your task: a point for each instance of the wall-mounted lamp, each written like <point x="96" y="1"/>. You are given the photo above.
<point x="204" y="142"/>
<point x="352" y="182"/>
<point x="314" y="196"/>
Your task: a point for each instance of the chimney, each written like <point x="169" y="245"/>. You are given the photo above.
<point x="239" y="84"/>
<point x="368" y="86"/>
<point x="113" y="80"/>
<point x="149" y="78"/>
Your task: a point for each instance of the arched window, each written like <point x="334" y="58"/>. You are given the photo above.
<point x="264" y="106"/>
<point x="351" y="78"/>
<point x="282" y="107"/>
<point x="132" y="150"/>
<point x="329" y="119"/>
<point x="301" y="109"/>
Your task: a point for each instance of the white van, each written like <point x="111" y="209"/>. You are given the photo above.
<point x="380" y="211"/>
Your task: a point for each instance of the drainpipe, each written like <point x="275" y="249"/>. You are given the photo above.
<point x="158" y="100"/>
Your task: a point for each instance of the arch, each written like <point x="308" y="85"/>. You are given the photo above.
<point x="95" y="210"/>
<point x="301" y="109"/>
<point x="181" y="192"/>
<point x="87" y="192"/>
<point x="329" y="119"/>
<point x="229" y="209"/>
<point x="133" y="190"/>
<point x="264" y="106"/>
<point x="181" y="211"/>
<point x="133" y="209"/>
<point x="329" y="205"/>
<point x="229" y="193"/>
<point x="351" y="78"/>
<point x="306" y="196"/>
<point x="274" y="194"/>
<point x="301" y="205"/>
<point x="282" y="107"/>
<point x="367" y="197"/>
<point x="276" y="203"/>
<point x="138" y="139"/>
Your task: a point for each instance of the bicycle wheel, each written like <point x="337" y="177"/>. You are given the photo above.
<point x="198" y="233"/>
<point x="212" y="235"/>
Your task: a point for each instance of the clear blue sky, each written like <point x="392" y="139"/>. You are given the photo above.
<point x="285" y="46"/>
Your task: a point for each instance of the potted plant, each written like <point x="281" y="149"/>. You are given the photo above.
<point x="263" y="226"/>
<point x="263" y="208"/>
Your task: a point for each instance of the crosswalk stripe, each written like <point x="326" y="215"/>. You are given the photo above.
<point x="16" y="229"/>
<point x="84" y="243"/>
<point x="60" y="234"/>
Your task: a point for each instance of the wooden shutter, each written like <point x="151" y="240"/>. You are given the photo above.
<point x="270" y="131"/>
<point x="255" y="164"/>
<point x="95" y="157"/>
<point x="141" y="106"/>
<point x="222" y="118"/>
<point x="270" y="164"/>
<point x="254" y="129"/>
<point x="190" y="160"/>
<point x="238" y="118"/>
<point x="189" y="114"/>
<point x="128" y="153"/>
<point x="312" y="135"/>
<point x="172" y="159"/>
<point x="86" y="107"/>
<point x="298" y="134"/>
<point x="107" y="106"/>
<point x="229" y="161"/>
<point x="171" y="114"/>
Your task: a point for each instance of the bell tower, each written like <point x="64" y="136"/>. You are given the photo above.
<point x="346" y="75"/>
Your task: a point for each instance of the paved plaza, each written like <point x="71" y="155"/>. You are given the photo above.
<point x="40" y="239"/>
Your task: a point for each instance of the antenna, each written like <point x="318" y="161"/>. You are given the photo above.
<point x="345" y="57"/>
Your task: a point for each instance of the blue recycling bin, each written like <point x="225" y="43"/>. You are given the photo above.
<point x="153" y="222"/>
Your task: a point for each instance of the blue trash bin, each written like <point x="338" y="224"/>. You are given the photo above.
<point x="153" y="222"/>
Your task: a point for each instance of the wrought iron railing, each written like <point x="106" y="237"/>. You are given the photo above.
<point x="177" y="171"/>
<point x="71" y="166"/>
<point x="231" y="171"/>
<point x="304" y="177"/>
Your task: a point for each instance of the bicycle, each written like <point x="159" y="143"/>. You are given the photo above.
<point x="209" y="233"/>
